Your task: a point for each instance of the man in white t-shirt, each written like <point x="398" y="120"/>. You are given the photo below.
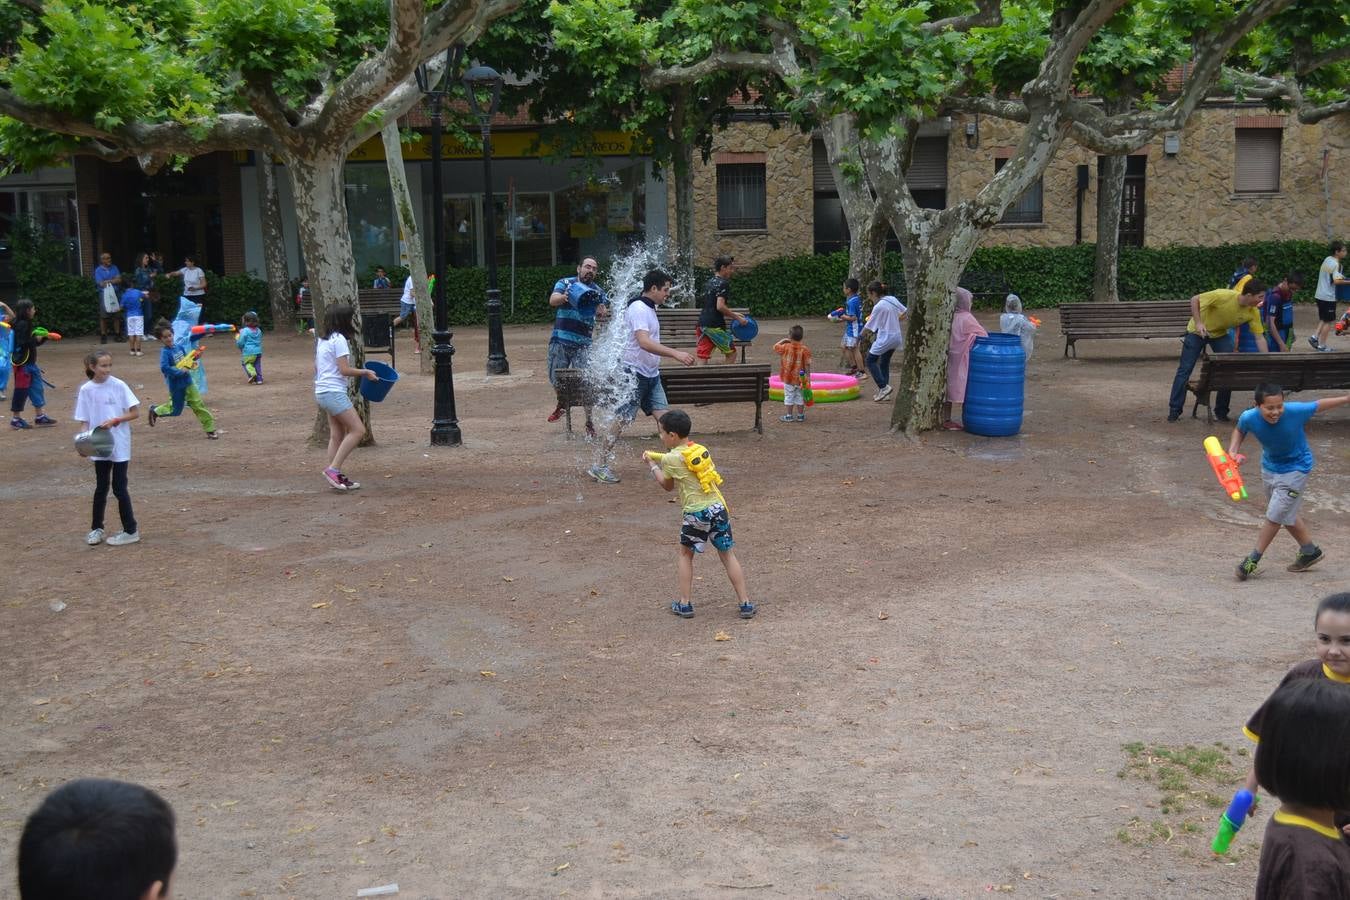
<point x="642" y="359"/>
<point x="1328" y="277"/>
<point x="194" y="280"/>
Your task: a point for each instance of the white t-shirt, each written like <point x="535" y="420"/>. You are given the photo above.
<point x="194" y="282"/>
<point x="407" y="292"/>
<point x="97" y="403"/>
<point x="641" y="317"/>
<point x="1326" y="278"/>
<point x="326" y="354"/>
<point x="885" y="321"/>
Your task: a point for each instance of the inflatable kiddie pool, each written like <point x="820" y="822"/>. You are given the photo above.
<point x="827" y="387"/>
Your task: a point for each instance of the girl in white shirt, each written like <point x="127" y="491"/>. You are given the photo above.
<point x="331" y="371"/>
<point x="107" y="402"/>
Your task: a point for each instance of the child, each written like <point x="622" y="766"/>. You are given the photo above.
<point x="135" y="320"/>
<point x="1329" y="277"/>
<point x="249" y="343"/>
<point x="331" y="371"/>
<point x="1302" y="760"/>
<point x="6" y="345"/>
<point x="852" y="318"/>
<point x="1286" y="461"/>
<point x="1014" y="321"/>
<point x="1331" y="624"/>
<point x="94" y="839"/>
<point x="1244" y="272"/>
<point x="381" y="281"/>
<point x="1279" y="314"/>
<point x="795" y="370"/>
<point x="107" y="402"/>
<point x="884" y="322"/>
<point x="28" y="381"/>
<point x="965" y="329"/>
<point x="178" y="379"/>
<point x="705" y="510"/>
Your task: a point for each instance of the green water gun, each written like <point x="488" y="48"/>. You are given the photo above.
<point x="1231" y="821"/>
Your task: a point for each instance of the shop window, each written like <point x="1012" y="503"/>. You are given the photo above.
<point x="1029" y="208"/>
<point x="1257" y="160"/>
<point x="370" y="217"/>
<point x="741" y="204"/>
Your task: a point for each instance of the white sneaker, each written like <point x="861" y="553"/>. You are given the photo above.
<point x="95" y="537"/>
<point x="122" y="538"/>
<point x="885" y="392"/>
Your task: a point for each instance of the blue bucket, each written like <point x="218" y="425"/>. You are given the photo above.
<point x="375" y="391"/>
<point x="745" y="332"/>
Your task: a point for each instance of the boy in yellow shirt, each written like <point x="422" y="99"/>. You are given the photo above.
<point x="689" y="466"/>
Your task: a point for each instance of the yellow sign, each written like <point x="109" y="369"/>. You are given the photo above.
<point x="505" y="145"/>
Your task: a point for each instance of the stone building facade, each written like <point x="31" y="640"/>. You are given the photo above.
<point x="1236" y="172"/>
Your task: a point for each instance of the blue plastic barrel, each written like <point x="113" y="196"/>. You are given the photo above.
<point x="375" y="391"/>
<point x="1343" y="293"/>
<point x="998" y="369"/>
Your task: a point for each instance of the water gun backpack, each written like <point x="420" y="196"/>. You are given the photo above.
<point x="699" y="461"/>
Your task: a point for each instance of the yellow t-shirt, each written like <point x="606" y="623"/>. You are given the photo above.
<point x="1220" y="311"/>
<point x="692" y="496"/>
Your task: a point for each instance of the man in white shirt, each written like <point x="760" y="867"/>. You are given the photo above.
<point x="1328" y="277"/>
<point x="642" y="360"/>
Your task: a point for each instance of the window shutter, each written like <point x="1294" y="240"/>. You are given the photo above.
<point x="928" y="167"/>
<point x="822" y="179"/>
<point x="1257" y="160"/>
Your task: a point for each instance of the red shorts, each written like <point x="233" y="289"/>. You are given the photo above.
<point x="706" y="346"/>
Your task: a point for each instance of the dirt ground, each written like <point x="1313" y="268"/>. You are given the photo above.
<point x="464" y="677"/>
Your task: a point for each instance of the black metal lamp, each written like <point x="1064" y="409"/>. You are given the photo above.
<point x="444" y="420"/>
<point x="484" y="87"/>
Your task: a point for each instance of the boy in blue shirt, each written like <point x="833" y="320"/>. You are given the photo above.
<point x="1278" y="310"/>
<point x="135" y="320"/>
<point x="1286" y="461"/>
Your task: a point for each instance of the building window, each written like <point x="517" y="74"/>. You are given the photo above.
<point x="1028" y="208"/>
<point x="1257" y="156"/>
<point x="741" y="197"/>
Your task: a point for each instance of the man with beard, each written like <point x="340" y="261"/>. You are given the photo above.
<point x="578" y="300"/>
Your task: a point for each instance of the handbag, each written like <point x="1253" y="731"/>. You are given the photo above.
<point x="111" y="305"/>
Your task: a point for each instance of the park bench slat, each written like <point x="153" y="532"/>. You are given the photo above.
<point x="747" y="383"/>
<point x="1114" y="321"/>
<point x="378" y="306"/>
<point x="679" y="328"/>
<point x="1246" y="371"/>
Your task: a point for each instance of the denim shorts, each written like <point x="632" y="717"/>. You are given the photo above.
<point x="650" y="397"/>
<point x="565" y="356"/>
<point x="705" y="526"/>
<point x="335" y="403"/>
<point x="406" y="309"/>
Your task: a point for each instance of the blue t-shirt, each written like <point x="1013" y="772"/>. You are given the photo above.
<point x="574" y="321"/>
<point x="1279" y="307"/>
<point x="131" y="302"/>
<point x="1284" y="446"/>
<point x="853" y="307"/>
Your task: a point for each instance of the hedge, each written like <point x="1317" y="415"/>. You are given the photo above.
<point x="784" y="287"/>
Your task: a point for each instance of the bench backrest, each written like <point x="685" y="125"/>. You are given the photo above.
<point x="369" y="299"/>
<point x="716" y="383"/>
<point x="1291" y="371"/>
<point x="678" y="325"/>
<point x="1164" y="313"/>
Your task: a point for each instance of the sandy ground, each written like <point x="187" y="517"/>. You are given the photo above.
<point x="464" y="679"/>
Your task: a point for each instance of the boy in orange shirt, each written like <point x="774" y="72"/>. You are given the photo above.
<point x="795" y="370"/>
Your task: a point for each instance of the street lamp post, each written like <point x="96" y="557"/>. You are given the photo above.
<point x="485" y="80"/>
<point x="444" y="420"/>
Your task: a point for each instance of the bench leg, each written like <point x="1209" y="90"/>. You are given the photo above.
<point x="1070" y="343"/>
<point x="569" y="421"/>
<point x="759" y="420"/>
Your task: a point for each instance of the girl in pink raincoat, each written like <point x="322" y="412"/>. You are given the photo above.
<point x="965" y="329"/>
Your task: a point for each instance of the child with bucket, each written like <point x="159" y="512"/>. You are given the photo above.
<point x="331" y="371"/>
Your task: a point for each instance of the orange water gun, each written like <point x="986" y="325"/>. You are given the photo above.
<point x="1034" y="321"/>
<point x="1225" y="469"/>
<point x="41" y="332"/>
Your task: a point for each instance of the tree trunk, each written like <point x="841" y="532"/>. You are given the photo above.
<point x="683" y="164"/>
<point x="1110" y="193"/>
<point x="274" y="241"/>
<point x="321" y="220"/>
<point x="938" y="261"/>
<point x="867" y="226"/>
<point x="407" y="223"/>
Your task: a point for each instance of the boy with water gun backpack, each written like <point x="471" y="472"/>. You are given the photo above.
<point x="690" y="466"/>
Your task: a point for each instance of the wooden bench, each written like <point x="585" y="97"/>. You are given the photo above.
<point x="1247" y="371"/>
<point x="379" y="308"/>
<point x="679" y="328"/>
<point x="1147" y="319"/>
<point x="692" y="385"/>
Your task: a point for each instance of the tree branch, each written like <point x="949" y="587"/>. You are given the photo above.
<point x="1056" y="73"/>
<point x="1112" y="145"/>
<point x="1305" y="65"/>
<point x="1287" y="90"/>
<point x="1012" y="110"/>
<point x="717" y="61"/>
<point x="989" y="14"/>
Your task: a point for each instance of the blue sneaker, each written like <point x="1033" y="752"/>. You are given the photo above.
<point x="683" y="610"/>
<point x="18" y="423"/>
<point x="748" y="610"/>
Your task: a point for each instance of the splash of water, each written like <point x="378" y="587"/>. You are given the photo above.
<point x="610" y="383"/>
